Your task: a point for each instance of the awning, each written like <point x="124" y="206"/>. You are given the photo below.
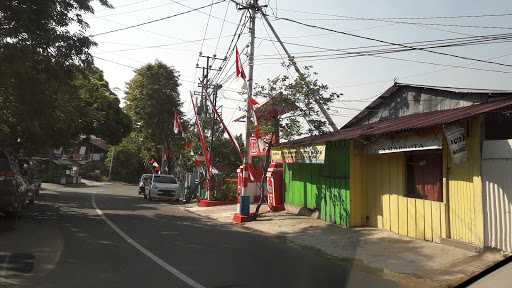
<point x="405" y="123"/>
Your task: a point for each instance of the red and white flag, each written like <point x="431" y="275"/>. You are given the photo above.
<point x="240" y="73"/>
<point x="177" y="123"/>
<point x="252" y="109"/>
<point x="239" y="69"/>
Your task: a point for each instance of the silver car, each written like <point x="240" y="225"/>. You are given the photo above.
<point x="162" y="187"/>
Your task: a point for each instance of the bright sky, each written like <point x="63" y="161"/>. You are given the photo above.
<point x="360" y="79"/>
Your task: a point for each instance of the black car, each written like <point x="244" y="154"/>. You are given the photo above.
<point x="13" y="186"/>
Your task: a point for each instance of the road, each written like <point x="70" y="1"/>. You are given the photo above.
<point x="107" y="236"/>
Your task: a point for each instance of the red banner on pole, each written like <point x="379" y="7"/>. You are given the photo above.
<point x="201" y="139"/>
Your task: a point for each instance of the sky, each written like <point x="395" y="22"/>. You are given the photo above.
<point x="360" y="79"/>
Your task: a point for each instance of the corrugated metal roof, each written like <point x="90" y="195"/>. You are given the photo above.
<point x="409" y="122"/>
<point x="375" y="103"/>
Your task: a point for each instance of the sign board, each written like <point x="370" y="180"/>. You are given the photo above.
<point x="456" y="139"/>
<point x="82" y="150"/>
<point x="304" y="154"/>
<point x="405" y="143"/>
<point x="257" y="146"/>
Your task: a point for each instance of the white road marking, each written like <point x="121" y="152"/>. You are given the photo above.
<point x="145" y="251"/>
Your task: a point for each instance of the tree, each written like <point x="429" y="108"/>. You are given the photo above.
<point x="152" y="98"/>
<point x="129" y="158"/>
<point x="302" y="92"/>
<point x="99" y="107"/>
<point x="40" y="57"/>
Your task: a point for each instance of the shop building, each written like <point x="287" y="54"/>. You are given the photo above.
<point x="424" y="162"/>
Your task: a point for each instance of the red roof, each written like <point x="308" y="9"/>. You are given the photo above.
<point x="409" y="122"/>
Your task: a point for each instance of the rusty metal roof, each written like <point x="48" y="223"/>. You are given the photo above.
<point x="405" y="123"/>
<point x="456" y="90"/>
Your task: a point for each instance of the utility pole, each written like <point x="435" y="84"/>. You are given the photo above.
<point x="205" y="89"/>
<point x="245" y="199"/>
<point x="297" y="69"/>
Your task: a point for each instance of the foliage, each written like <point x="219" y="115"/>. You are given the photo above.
<point x="47" y="82"/>
<point x="152" y="100"/>
<point x="302" y="91"/>
<point x="128" y="164"/>
<point x="99" y="108"/>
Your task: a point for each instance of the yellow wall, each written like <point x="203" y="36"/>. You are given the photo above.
<point x="465" y="192"/>
<point x="377" y="187"/>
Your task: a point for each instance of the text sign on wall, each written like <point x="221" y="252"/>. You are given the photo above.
<point x="456" y="139"/>
<point x="304" y="154"/>
<point x="405" y="143"/>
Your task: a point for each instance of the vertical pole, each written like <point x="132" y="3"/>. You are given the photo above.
<point x="111" y="162"/>
<point x="245" y="199"/>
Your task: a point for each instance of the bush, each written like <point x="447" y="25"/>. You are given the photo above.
<point x="127" y="166"/>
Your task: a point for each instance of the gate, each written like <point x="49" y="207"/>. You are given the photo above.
<point x="497" y="182"/>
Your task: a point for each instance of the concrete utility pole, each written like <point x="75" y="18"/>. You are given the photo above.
<point x="297" y="69"/>
<point x="245" y="199"/>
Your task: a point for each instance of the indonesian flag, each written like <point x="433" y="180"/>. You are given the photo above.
<point x="239" y="69"/>
<point x="177" y="124"/>
<point x="240" y="73"/>
<point x="252" y="108"/>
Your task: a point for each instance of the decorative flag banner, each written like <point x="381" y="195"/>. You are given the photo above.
<point x="252" y="103"/>
<point x="224" y="126"/>
<point x="201" y="139"/>
<point x="239" y="69"/>
<point x="177" y="124"/>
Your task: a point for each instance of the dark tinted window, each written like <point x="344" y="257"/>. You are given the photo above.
<point x="165" y="179"/>
<point x="4" y="162"/>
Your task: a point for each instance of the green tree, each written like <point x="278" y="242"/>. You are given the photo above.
<point x="153" y="99"/>
<point x="99" y="108"/>
<point x="40" y="56"/>
<point x="301" y="91"/>
<point x="129" y="159"/>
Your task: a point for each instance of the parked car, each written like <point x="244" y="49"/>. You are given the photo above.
<point x="143" y="182"/>
<point x="162" y="187"/>
<point x="13" y="186"/>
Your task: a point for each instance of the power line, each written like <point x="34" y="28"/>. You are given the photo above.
<point x="351" y="18"/>
<point x="165" y="45"/>
<point x="129" y="12"/>
<point x="199" y="11"/>
<point x="156" y="20"/>
<point x="442" y="43"/>
<point x="391" y="43"/>
<point x="206" y="27"/>
<point x="221" y="28"/>
<point x="406" y="18"/>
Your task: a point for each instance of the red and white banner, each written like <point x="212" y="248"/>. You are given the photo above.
<point x="177" y="123"/>
<point x="201" y="139"/>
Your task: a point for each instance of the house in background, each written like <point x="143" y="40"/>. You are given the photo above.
<point x="425" y="162"/>
<point x="90" y="148"/>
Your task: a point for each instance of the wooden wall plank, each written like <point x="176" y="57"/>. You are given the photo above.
<point x="420" y="219"/>
<point x="402" y="215"/>
<point x="436" y="221"/>
<point x="394" y="206"/>
<point x="443" y="221"/>
<point x="428" y="220"/>
<point x="411" y="219"/>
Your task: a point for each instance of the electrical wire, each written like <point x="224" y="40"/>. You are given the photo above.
<point x="206" y="27"/>
<point x="406" y="18"/>
<point x="156" y="20"/>
<point x="202" y="12"/>
<point x="392" y="43"/>
<point x="221" y="29"/>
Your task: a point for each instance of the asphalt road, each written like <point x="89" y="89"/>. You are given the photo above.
<point x="107" y="236"/>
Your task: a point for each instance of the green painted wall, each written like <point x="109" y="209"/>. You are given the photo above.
<point x="322" y="186"/>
